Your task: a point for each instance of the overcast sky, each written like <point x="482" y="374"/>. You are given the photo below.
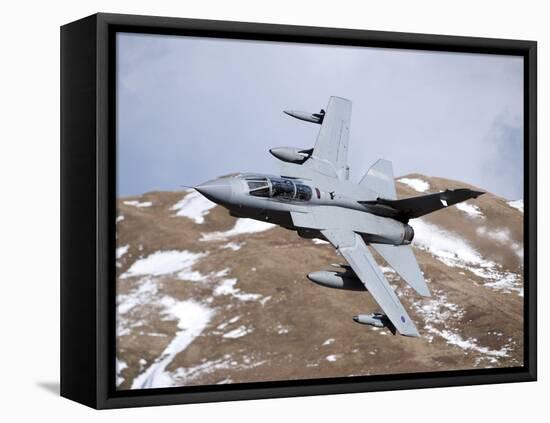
<point x="191" y="109"/>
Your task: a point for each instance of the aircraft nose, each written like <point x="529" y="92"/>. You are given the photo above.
<point x="216" y="190"/>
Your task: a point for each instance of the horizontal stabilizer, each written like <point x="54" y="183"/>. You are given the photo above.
<point x="379" y="178"/>
<point x="411" y="208"/>
<point x="402" y="259"/>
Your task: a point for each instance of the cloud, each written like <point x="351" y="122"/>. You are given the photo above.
<point x="505" y="169"/>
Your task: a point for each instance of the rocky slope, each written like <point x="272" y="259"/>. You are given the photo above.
<point x="204" y="298"/>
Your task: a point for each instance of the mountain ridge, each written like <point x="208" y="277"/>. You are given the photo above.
<point x="204" y="298"/>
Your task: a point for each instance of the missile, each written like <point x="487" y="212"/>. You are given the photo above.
<point x="337" y="280"/>
<point x="308" y="117"/>
<point x="377" y="320"/>
<point x="291" y="154"/>
<point x="374" y="319"/>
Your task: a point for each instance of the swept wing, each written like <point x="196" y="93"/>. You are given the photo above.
<point x="352" y="247"/>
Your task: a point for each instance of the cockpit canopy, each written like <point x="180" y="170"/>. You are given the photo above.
<point x="281" y="188"/>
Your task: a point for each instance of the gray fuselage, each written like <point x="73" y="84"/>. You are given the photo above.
<point x="280" y="200"/>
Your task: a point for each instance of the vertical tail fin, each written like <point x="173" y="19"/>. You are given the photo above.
<point x="379" y="178"/>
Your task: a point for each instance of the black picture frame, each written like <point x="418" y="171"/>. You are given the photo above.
<point x="88" y="207"/>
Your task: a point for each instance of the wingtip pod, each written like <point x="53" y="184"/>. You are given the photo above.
<point x="335" y="101"/>
<point x="380" y="320"/>
<point x="377" y="320"/>
<point x="291" y="154"/>
<point x="305" y="116"/>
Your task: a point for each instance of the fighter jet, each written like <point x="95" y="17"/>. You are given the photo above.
<point x="314" y="197"/>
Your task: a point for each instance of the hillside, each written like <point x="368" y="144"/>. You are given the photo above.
<point x="204" y="298"/>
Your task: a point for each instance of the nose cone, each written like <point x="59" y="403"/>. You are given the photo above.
<point x="217" y="190"/>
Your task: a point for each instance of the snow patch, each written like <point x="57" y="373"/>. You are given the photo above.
<point x="328" y="341"/>
<point x="469" y="344"/>
<point x="265" y="300"/>
<point x="119" y="219"/>
<point x="440" y="315"/>
<point x="454" y="251"/>
<point x="120" y="366"/>
<point x="332" y="357"/>
<point x="470" y="209"/>
<point x="194" y="276"/>
<point x="192" y="319"/>
<point x="446" y="246"/>
<point x="386" y="269"/>
<point x="120" y="251"/>
<point x="415" y="183"/>
<point x="517" y="204"/>
<point x="193" y="206"/>
<point x="222" y="273"/>
<point x="229" y="322"/>
<point x="227" y="287"/>
<point x="503" y="237"/>
<point x="242" y="226"/>
<point x="281" y="330"/>
<point x="238" y="333"/>
<point x="500" y="235"/>
<point x="143" y="294"/>
<point x="438" y="310"/>
<point x="234" y="319"/>
<point x="138" y="204"/>
<point x="507" y="283"/>
<point x="187" y="375"/>
<point x="319" y="241"/>
<point x="191" y="275"/>
<point x="164" y="263"/>
<point x="235" y="246"/>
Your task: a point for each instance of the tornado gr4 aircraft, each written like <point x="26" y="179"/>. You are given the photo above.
<point x="314" y="197"/>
